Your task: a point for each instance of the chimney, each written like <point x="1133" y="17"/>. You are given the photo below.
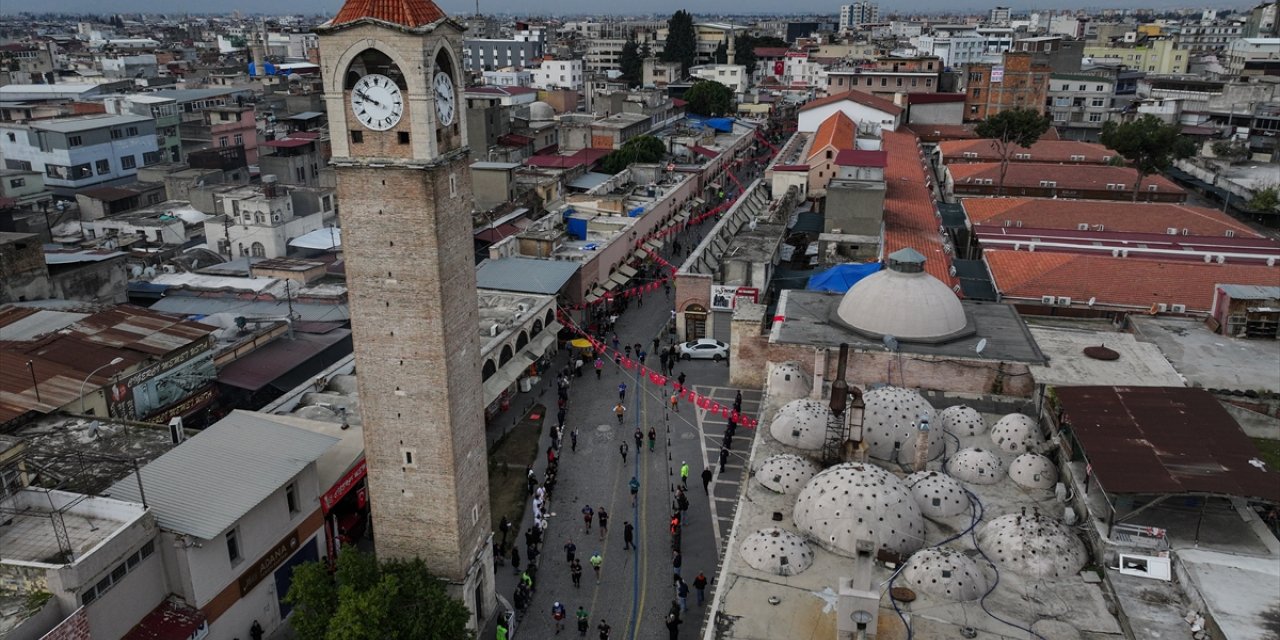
<point x="922" y="443"/>
<point x="270" y="186"/>
<point x="840" y="388"/>
<point x="819" y="373"/>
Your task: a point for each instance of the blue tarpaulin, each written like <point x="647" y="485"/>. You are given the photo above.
<point x="577" y="227"/>
<point x="719" y="124"/>
<point x="635" y="212"/>
<point x="841" y="277"/>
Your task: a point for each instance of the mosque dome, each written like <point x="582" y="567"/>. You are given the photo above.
<point x="945" y="574"/>
<point x="962" y="420"/>
<point x="540" y="112"/>
<point x="777" y="551"/>
<point x="904" y="301"/>
<point x="976" y="466"/>
<point x="801" y="424"/>
<point x="787" y="382"/>
<point x="1032" y="545"/>
<point x="858" y="501"/>
<point x="890" y="418"/>
<point x="1016" y="433"/>
<point x="786" y="472"/>
<point x="938" y="494"/>
<point x="1033" y="471"/>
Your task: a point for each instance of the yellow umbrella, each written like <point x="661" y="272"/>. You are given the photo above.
<point x="580" y="343"/>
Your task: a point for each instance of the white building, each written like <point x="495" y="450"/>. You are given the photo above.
<point x="508" y="78"/>
<point x="956" y="50"/>
<point x="733" y="76"/>
<point x="857" y="14"/>
<point x="81" y="151"/>
<point x="999" y="15"/>
<point x="259" y="221"/>
<point x="558" y="74"/>
<point x="869" y="112"/>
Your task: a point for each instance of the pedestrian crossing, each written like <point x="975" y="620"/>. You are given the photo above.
<point x="727" y="479"/>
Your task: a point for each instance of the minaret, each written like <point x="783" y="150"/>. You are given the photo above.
<point x="729" y="57"/>
<point x="392" y="78"/>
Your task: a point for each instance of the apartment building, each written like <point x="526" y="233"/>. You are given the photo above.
<point x="1079" y="104"/>
<point x="1160" y="56"/>
<point x="1020" y="82"/>
<point x="558" y="74"/>
<point x="164" y="111"/>
<point x="853" y="16"/>
<point x="79" y="152"/>
<point x="259" y="221"/>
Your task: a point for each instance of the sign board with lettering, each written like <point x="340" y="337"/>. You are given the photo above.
<point x="163" y="384"/>
<point x="268" y="563"/>
<point x="997" y="74"/>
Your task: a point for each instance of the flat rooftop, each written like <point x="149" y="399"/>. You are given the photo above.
<point x="1210" y="360"/>
<point x="807" y="319"/>
<point x="1139" y="363"/>
<point x="87" y="456"/>
<point x="28" y="536"/>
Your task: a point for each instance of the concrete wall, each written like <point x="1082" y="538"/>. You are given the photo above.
<point x="23" y="274"/>
<point x="936" y="113"/>
<point x="855" y="208"/>
<point x="105" y="281"/>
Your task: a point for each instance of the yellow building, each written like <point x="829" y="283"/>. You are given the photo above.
<point x="1153" y="56"/>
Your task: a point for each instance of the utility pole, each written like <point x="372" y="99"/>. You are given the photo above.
<point x="32" y="368"/>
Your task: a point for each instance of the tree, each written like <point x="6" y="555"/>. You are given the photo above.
<point x="631" y="62"/>
<point x="638" y="149"/>
<point x="1231" y="150"/>
<point x="1147" y="144"/>
<point x="745" y="46"/>
<point x="368" y="600"/>
<point x="1266" y="200"/>
<point x="682" y="41"/>
<point x="1011" y="129"/>
<point x="709" y="98"/>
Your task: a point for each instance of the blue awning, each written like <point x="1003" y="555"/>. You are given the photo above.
<point x="841" y="277"/>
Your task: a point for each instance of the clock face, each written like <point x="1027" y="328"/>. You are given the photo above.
<point x="377" y="102"/>
<point x="444" y="98"/>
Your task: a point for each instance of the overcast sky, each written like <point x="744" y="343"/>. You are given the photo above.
<point x="564" y="7"/>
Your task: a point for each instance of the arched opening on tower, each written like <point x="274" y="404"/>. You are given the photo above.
<point x="506" y="355"/>
<point x="489" y="369"/>
<point x="522" y="340"/>
<point x="373" y="61"/>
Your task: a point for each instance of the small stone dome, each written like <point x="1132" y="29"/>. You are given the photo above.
<point x="962" y="420"/>
<point x="890" y="418"/>
<point x="905" y="302"/>
<point x="786" y="472"/>
<point x="1032" y="545"/>
<point x="938" y="494"/>
<point x="787" y="382"/>
<point x="540" y="111"/>
<point x="945" y="574"/>
<point x="801" y="424"/>
<point x="777" y="551"/>
<point x="1033" y="471"/>
<point x="856" y="501"/>
<point x="976" y="466"/>
<point x="1015" y="433"/>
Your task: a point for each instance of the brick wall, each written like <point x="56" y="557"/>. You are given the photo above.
<point x="74" y="627"/>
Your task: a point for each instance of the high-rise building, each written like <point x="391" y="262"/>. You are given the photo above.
<point x="857" y="14"/>
<point x="999" y="15"/>
<point x="393" y="77"/>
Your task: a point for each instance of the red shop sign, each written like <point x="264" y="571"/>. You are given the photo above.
<point x="343" y="485"/>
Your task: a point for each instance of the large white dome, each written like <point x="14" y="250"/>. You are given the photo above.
<point x="787" y="382"/>
<point x="938" y="494"/>
<point x="945" y="574"/>
<point x="777" y="551"/>
<point x="905" y="302"/>
<point x="962" y="420"/>
<point x="540" y="111"/>
<point x="854" y="501"/>
<point x="1032" y="545"/>
<point x="891" y="417"/>
<point x="786" y="472"/>
<point x="801" y="424"/>
<point x="1016" y="433"/>
<point x="976" y="466"/>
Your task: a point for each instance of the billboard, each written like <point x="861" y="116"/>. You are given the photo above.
<point x="997" y="74"/>
<point x="166" y="383"/>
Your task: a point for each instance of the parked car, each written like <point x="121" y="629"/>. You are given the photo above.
<point x="704" y="349"/>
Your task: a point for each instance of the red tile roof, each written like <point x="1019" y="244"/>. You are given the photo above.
<point x="770" y="52"/>
<point x="172" y="619"/>
<point x="937" y="132"/>
<point x="864" y="99"/>
<point x="910" y="219"/>
<point x="837" y="132"/>
<point x="862" y="158"/>
<point x="1124" y="282"/>
<point x="1130" y="217"/>
<point x="1041" y="151"/>
<point x="406" y="13"/>
<point x="1067" y="176"/>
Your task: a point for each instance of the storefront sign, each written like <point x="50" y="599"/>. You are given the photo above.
<point x="723" y="297"/>
<point x="268" y="563"/>
<point x="166" y="383"/>
<point x="343" y="485"/>
<point x="196" y="402"/>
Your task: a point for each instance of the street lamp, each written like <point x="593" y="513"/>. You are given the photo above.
<point x="114" y="361"/>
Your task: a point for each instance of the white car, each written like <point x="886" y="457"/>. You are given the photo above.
<point x="704" y="349"/>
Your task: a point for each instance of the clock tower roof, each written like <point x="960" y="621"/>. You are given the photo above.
<point x="405" y="13"/>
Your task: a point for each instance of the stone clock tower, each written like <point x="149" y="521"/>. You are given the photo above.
<point x="393" y="82"/>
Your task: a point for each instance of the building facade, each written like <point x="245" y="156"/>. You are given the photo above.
<point x="1079" y="104"/>
<point x="79" y="152"/>
<point x="1020" y="82"/>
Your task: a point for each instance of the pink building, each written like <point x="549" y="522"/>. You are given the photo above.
<point x="232" y="126"/>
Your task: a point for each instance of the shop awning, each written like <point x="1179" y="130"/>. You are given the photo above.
<point x="682" y="216"/>
<point x="516" y="366"/>
<point x="591" y="298"/>
<point x="277" y="359"/>
<point x="620" y="278"/>
<point x="653" y="243"/>
<point x="627" y="271"/>
<point x="639" y="254"/>
<point x="610" y="284"/>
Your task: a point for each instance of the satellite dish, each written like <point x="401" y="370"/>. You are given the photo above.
<point x="890" y="343"/>
<point x="61" y="205"/>
<point x="982" y="344"/>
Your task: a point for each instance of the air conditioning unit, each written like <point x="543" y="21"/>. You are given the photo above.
<point x="1098" y="227"/>
<point x="1046" y="299"/>
<point x="1064" y="301"/>
<point x="1019" y="225"/>
<point x="1173" y="231"/>
<point x="1083" y="226"/>
<point x="1162" y="307"/>
<point x="1231" y="233"/>
<point x="1179" y="308"/>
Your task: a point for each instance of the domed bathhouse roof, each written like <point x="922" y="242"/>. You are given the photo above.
<point x="801" y="424"/>
<point x="1033" y="471"/>
<point x="540" y="111"/>
<point x="962" y="420"/>
<point x="945" y="574"/>
<point x="786" y="472"/>
<point x="938" y="494"/>
<point x="905" y="302"/>
<point x="1032" y="545"/>
<point x="787" y="382"/>
<point x="777" y="551"/>
<point x="855" y="501"/>
<point x="890" y="420"/>
<point x="1016" y="433"/>
<point x="976" y="466"/>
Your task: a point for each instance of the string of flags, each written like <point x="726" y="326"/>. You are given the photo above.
<point x="656" y="378"/>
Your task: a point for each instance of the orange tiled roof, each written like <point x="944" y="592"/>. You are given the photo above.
<point x="407" y="13"/>
<point x="1067" y="176"/>
<point x="837" y="131"/>
<point x="1130" y="282"/>
<point x="1141" y="217"/>
<point x="864" y="99"/>
<point x="910" y="219"/>
<point x="1041" y="151"/>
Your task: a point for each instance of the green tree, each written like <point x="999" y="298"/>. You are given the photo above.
<point x="682" y="41"/>
<point x="721" y="54"/>
<point x="1231" y="150"/>
<point x="638" y="149"/>
<point x="631" y="62"/>
<point x="368" y="600"/>
<point x="1009" y="130"/>
<point x="745" y="46"/>
<point x="1266" y="200"/>
<point x="709" y="98"/>
<point x="1147" y="144"/>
